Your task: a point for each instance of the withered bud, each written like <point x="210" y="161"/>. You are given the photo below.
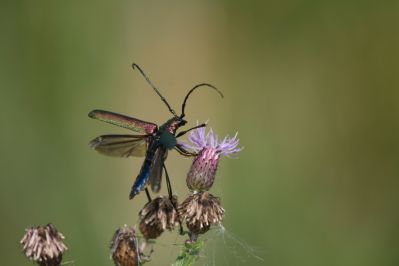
<point x="123" y="247"/>
<point x="157" y="216"/>
<point x="200" y="211"/>
<point x="43" y="245"/>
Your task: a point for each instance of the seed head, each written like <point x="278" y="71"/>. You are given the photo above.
<point x="200" y="211"/>
<point x="157" y="216"/>
<point x="123" y="247"/>
<point x="43" y="245"/>
<point x="209" y="149"/>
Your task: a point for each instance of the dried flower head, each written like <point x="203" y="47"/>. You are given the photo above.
<point x="157" y="216"/>
<point x="209" y="149"/>
<point x="123" y="247"/>
<point x="200" y="211"/>
<point x="43" y="245"/>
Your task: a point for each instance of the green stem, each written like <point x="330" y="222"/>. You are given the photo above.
<point x="189" y="253"/>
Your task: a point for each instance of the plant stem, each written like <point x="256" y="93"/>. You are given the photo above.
<point x="189" y="253"/>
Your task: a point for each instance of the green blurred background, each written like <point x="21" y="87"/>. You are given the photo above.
<point x="312" y="87"/>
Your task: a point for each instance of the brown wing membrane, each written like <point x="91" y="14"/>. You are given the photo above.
<point x="120" y="145"/>
<point x="156" y="169"/>
<point x="124" y="121"/>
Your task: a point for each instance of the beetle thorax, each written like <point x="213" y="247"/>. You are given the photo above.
<point x="167" y="140"/>
<point x="167" y="131"/>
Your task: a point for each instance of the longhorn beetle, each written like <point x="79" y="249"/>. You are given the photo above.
<point x="153" y="141"/>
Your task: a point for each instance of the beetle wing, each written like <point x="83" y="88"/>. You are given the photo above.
<point x="156" y="168"/>
<point x="124" y="121"/>
<point x="120" y="145"/>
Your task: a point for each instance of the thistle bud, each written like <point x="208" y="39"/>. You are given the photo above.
<point x="123" y="247"/>
<point x="200" y="211"/>
<point x="203" y="170"/>
<point x="43" y="245"/>
<point x="157" y="216"/>
<point x="209" y="150"/>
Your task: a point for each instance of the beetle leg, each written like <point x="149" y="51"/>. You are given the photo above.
<point x="171" y="197"/>
<point x="168" y="185"/>
<point x="181" y="133"/>
<point x="184" y="152"/>
<point x="148" y="194"/>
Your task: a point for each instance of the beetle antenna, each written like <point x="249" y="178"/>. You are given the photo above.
<point x="195" y="87"/>
<point x="134" y="66"/>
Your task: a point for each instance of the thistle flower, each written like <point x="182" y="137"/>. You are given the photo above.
<point x="123" y="247"/>
<point x="200" y="211"/>
<point x="157" y="216"/>
<point x="43" y="245"/>
<point x="209" y="149"/>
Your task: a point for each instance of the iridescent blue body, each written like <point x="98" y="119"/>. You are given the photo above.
<point x="163" y="139"/>
<point x="144" y="175"/>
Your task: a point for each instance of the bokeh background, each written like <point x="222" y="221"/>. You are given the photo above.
<point x="312" y="87"/>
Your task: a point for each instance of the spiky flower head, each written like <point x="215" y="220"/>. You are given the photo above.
<point x="209" y="149"/>
<point x="123" y="247"/>
<point x="157" y="216"/>
<point x="200" y="211"/>
<point x="43" y="245"/>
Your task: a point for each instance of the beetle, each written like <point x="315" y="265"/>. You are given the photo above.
<point x="153" y="142"/>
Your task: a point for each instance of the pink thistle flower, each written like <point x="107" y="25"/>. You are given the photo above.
<point x="209" y="149"/>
